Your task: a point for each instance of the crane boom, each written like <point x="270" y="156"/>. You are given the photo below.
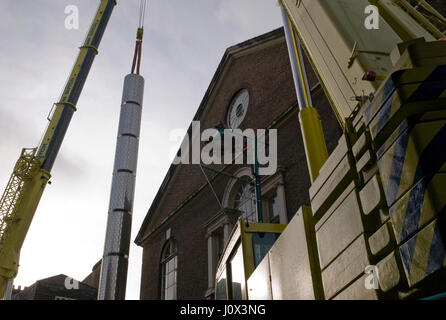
<point x="32" y="171"/>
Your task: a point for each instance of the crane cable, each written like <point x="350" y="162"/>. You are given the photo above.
<point x="139" y="35"/>
<point x="142" y="13"/>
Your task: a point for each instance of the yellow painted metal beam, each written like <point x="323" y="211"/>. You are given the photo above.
<point x="311" y="126"/>
<point x="314" y="140"/>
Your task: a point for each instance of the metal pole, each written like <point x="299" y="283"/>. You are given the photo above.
<point x="297" y="64"/>
<point x="311" y="126"/>
<point x="257" y="181"/>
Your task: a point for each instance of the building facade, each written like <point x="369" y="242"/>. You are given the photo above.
<point x="193" y="213"/>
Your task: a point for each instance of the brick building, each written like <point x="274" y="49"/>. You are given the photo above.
<point x="188" y="222"/>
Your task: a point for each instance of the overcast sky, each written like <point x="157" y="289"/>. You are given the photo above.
<point x="183" y="44"/>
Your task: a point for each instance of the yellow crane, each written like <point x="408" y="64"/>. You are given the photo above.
<point x="32" y="171"/>
<point x="375" y="228"/>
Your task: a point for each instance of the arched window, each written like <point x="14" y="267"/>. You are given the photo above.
<point x="169" y="266"/>
<point x="245" y="199"/>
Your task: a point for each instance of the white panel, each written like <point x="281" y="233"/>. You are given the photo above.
<point x="130" y="119"/>
<point x="290" y="263"/>
<point x="133" y="89"/>
<point x="126" y="154"/>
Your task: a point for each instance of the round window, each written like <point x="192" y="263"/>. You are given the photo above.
<point x="238" y="108"/>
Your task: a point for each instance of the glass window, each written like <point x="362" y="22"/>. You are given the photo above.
<point x="237" y="109"/>
<point x="215" y="251"/>
<point x="169" y="271"/>
<point x="221" y="293"/>
<point x="245" y="201"/>
<point x="261" y="243"/>
<point x="237" y="274"/>
<point x="220" y="244"/>
<point x="273" y="206"/>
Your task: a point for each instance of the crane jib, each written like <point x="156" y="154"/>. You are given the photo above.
<point x="32" y="172"/>
<point x="60" y="121"/>
<point x="56" y="141"/>
<point x="97" y="36"/>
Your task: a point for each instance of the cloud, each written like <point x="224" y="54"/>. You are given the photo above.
<point x="249" y="16"/>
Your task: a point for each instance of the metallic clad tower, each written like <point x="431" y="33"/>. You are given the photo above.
<point x="117" y="241"/>
<point x="113" y="280"/>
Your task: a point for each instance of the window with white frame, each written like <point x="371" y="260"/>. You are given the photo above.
<point x="271" y="207"/>
<point x="218" y="229"/>
<point x="169" y="265"/>
<point x="219" y="243"/>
